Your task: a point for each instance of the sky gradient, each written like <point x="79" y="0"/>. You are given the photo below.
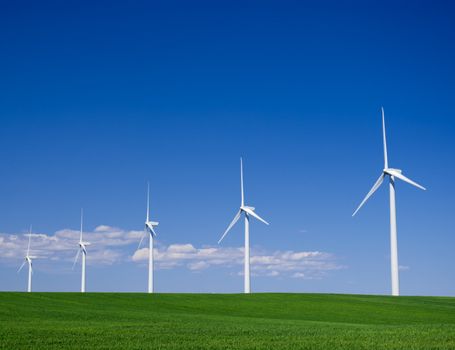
<point x="98" y="99"/>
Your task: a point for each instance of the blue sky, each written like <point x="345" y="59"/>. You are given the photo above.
<point x="97" y="99"/>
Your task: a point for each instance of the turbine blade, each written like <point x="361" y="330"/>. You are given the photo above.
<point x="20" y="268"/>
<point x="140" y="242"/>
<point x="148" y="200"/>
<point x="29" y="239"/>
<point x="253" y="214"/>
<point x="400" y="176"/>
<point x="384" y="140"/>
<point x="241" y="182"/>
<point x="31" y="267"/>
<point x="82" y="220"/>
<point x="373" y="190"/>
<point x="236" y="218"/>
<point x="77" y="257"/>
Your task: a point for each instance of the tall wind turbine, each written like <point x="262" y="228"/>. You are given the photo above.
<point x="247" y="211"/>
<point x="28" y="259"/>
<point x="391" y="174"/>
<point x="82" y="248"/>
<point x="149" y="228"/>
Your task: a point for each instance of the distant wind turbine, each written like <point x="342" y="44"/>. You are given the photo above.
<point x="28" y="259"/>
<point x="82" y="248"/>
<point x="391" y="174"/>
<point x="149" y="228"/>
<point x="247" y="211"/>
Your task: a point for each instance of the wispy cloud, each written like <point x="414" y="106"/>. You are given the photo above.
<point x="110" y="245"/>
<point x="312" y="264"/>
<point x="106" y="245"/>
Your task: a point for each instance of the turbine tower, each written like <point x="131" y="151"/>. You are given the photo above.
<point x="82" y="248"/>
<point x="149" y="228"/>
<point x="392" y="174"/>
<point x="28" y="259"/>
<point x="247" y="211"/>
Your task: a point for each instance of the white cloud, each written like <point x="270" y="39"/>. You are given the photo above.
<point x="140" y="254"/>
<point x="103" y="228"/>
<point x="273" y="273"/>
<point x="110" y="245"/>
<point x="106" y="245"/>
<point x="298" y="275"/>
<point x="295" y="264"/>
<point x="198" y="265"/>
<point x="181" y="248"/>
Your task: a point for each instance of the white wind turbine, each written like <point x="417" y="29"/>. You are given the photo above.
<point x="247" y="211"/>
<point x="82" y="248"/>
<point x="149" y="228"/>
<point x="28" y="259"/>
<point x="391" y="174"/>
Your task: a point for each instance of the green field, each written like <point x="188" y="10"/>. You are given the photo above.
<point x="220" y="321"/>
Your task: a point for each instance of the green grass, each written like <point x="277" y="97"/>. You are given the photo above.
<point x="203" y="321"/>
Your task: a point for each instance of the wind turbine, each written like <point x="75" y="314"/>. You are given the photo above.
<point x="82" y="248"/>
<point x="149" y="227"/>
<point x="28" y="259"/>
<point x="391" y="173"/>
<point x="247" y="211"/>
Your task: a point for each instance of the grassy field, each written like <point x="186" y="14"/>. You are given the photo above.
<point x="203" y="321"/>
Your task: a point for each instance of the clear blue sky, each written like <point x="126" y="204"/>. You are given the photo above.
<point x="96" y="99"/>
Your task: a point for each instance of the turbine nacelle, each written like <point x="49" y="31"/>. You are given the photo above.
<point x="389" y="171"/>
<point x="243" y="207"/>
<point x="152" y="223"/>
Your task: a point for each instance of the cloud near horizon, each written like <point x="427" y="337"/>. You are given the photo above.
<point x="106" y="245"/>
<point x="109" y="245"/>
<point x="308" y="265"/>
